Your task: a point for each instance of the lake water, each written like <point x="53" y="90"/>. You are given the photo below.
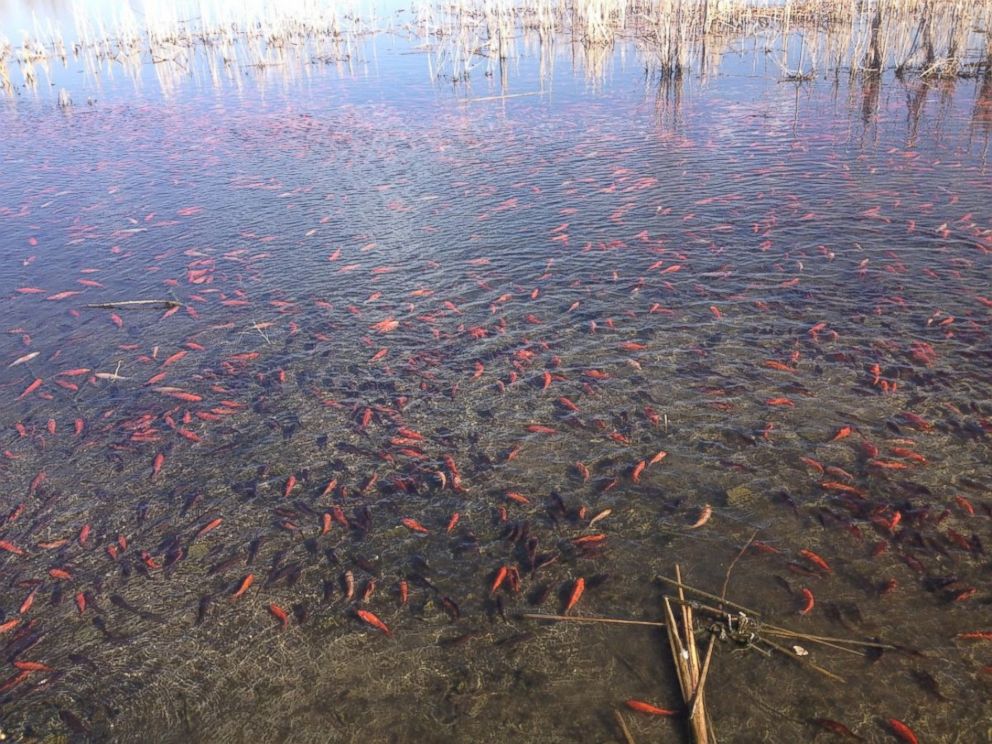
<point x="404" y="295"/>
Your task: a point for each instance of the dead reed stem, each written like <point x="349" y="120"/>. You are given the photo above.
<point x="590" y="619"/>
<point x="682" y="641"/>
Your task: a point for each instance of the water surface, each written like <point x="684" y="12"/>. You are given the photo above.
<point x="403" y="302"/>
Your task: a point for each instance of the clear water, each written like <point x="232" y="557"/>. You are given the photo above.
<point x="518" y="244"/>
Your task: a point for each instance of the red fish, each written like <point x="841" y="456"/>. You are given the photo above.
<point x="30" y="388"/>
<point x="965" y="504"/>
<point x="903" y="731"/>
<point x="577" y="589"/>
<point x="499" y="579"/>
<point x="414" y="525"/>
<point x="208" y="527"/>
<point x="539" y="429"/>
<point x="908" y="454"/>
<point x="386" y="326"/>
<point x="641" y="707"/>
<point x="704" y="517"/>
<point x="279" y="614"/>
<point x="815" y="560"/>
<point x="917" y="422"/>
<point x="28" y="601"/>
<point x="810" y="602"/>
<point x="843" y="487"/>
<point x="777" y="365"/>
<point x="976" y="635"/>
<point x="33" y="666"/>
<point x="246" y="582"/>
<point x="36" y="482"/>
<point x="157" y="464"/>
<point x="374" y="621"/>
<point x="10" y="548"/>
<point x="290" y="485"/>
<point x="179" y="394"/>
<point x="658" y="457"/>
<point x="452" y="522"/>
<point x="633" y="346"/>
<point x="174" y="358"/>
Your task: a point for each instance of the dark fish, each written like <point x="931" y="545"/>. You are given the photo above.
<point x="368" y="566"/>
<point x="191" y="501"/>
<point x="75" y="724"/>
<point x="545" y="559"/>
<point x="83" y="661"/>
<point x="289" y="572"/>
<point x="253" y="547"/>
<point x="421" y="581"/>
<point x="836" y="727"/>
<point x="300" y="612"/>
<point x="450" y="607"/>
<point x="226" y="564"/>
<point x="458" y="640"/>
<point x="21" y="645"/>
<point x="928" y="682"/>
<point x="173" y="557"/>
<point x="118" y="601"/>
<point x="99" y="624"/>
<point x="203" y="608"/>
<point x="514" y="640"/>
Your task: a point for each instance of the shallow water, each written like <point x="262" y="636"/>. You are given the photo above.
<point x="710" y="267"/>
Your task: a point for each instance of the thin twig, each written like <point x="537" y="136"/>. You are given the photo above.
<point x="801" y="660"/>
<point x="591" y="619"/>
<point x="701" y="593"/>
<point x="154" y="304"/>
<point x="726" y="579"/>
<point x="500" y="98"/>
<point x="627" y="736"/>
<point x="801" y="637"/>
<point x="806" y="636"/>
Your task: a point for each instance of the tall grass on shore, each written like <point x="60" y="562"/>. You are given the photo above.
<point x="805" y="38"/>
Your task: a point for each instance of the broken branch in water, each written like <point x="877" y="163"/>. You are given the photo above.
<point x="590" y="619"/>
<point x="499" y="98"/>
<point x="682" y="641"/>
<point x="627" y="736"/>
<point x="124" y="304"/>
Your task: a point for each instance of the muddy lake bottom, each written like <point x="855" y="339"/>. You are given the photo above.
<point x="394" y="304"/>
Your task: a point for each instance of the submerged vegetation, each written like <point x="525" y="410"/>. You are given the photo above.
<point x="804" y="38"/>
